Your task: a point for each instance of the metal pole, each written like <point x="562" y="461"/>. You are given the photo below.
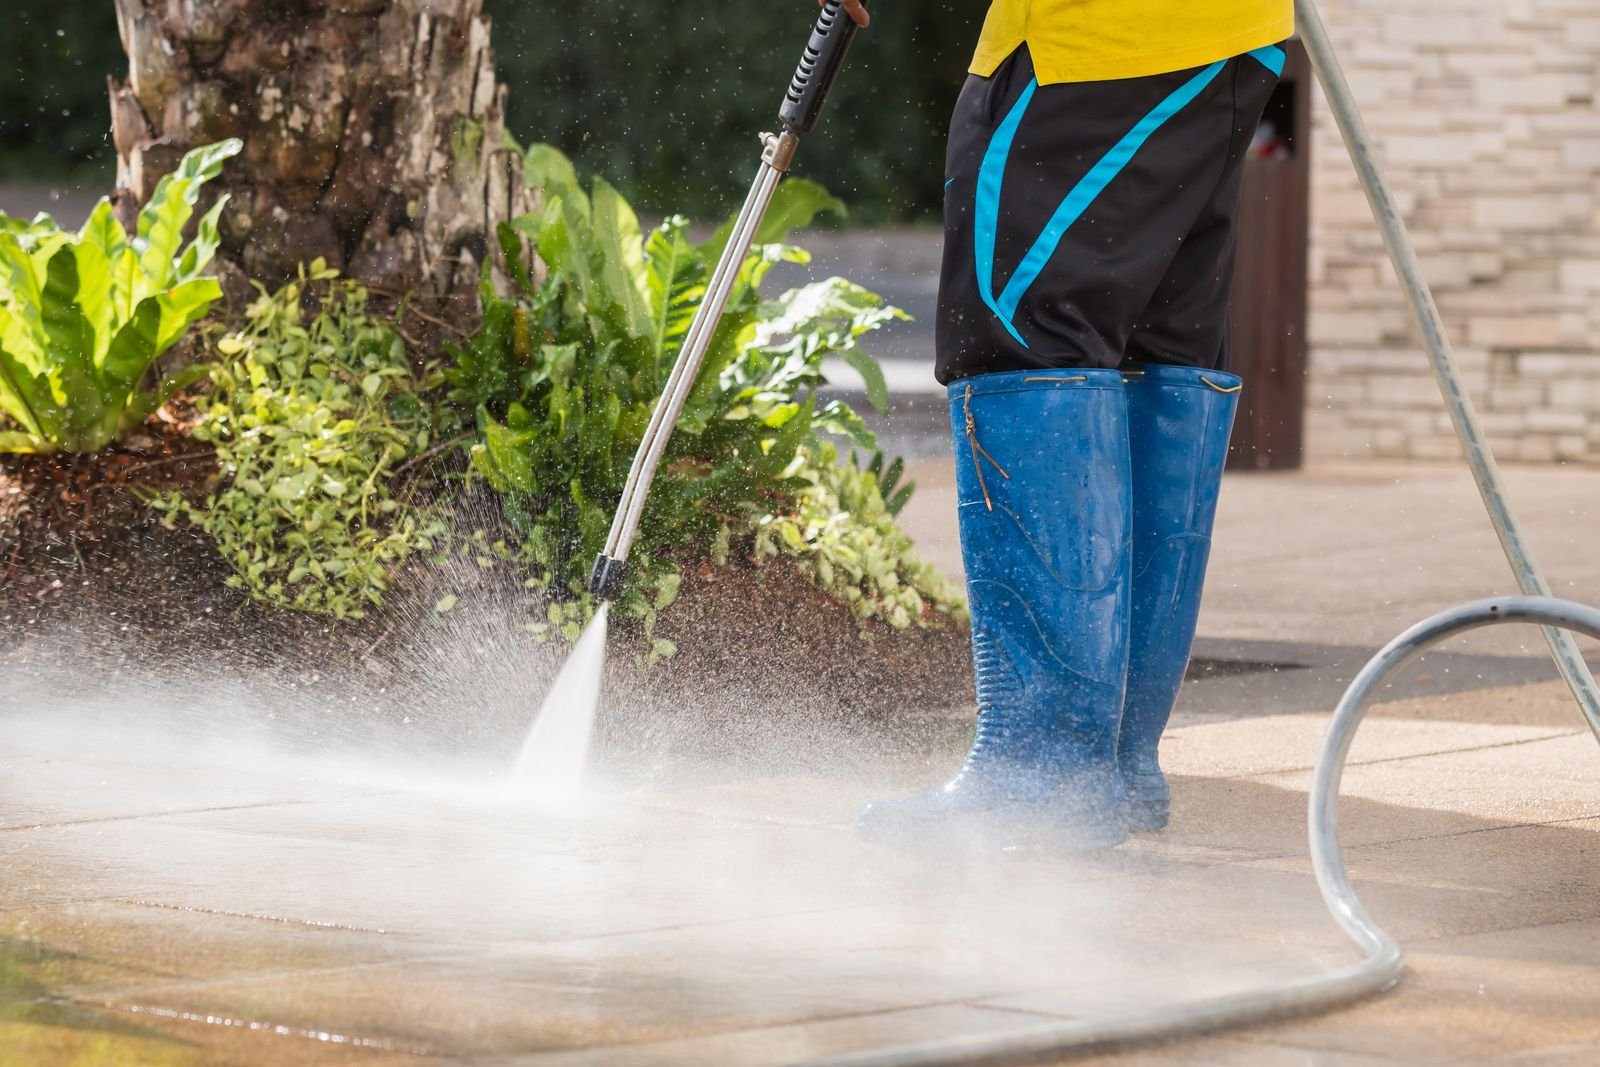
<point x="686" y="369"/>
<point x="1569" y="661"/>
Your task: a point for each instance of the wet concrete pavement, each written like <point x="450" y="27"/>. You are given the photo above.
<point x="163" y="902"/>
<point x="161" y="906"/>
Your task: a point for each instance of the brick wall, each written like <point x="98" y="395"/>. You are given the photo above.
<point x="1486" y="119"/>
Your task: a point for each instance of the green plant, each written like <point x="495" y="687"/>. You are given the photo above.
<point x="564" y="379"/>
<point x="83" y="316"/>
<point x="842" y="530"/>
<point x="310" y="421"/>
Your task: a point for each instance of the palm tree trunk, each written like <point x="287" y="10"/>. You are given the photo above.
<point x="373" y="130"/>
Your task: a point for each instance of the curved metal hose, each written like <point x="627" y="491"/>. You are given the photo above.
<point x="1379" y="967"/>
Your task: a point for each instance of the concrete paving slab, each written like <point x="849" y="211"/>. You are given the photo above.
<point x="1578" y="1054"/>
<point x="1277" y="744"/>
<point x="102" y="946"/>
<point x="1231" y="1052"/>
<point x="778" y="1045"/>
<point x="737" y="921"/>
<point x="1457" y="1006"/>
<point x="1537" y="781"/>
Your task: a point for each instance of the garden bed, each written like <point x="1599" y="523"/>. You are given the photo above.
<point x="98" y="593"/>
<point x="306" y="512"/>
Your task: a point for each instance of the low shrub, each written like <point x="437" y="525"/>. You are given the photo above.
<point x="310" y="420"/>
<point x="83" y="316"/>
<point x="564" y="376"/>
<point x="842" y="531"/>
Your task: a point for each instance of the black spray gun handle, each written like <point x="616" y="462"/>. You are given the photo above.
<point x="819" y="65"/>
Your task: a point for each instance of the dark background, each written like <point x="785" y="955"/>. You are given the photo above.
<point x="662" y="98"/>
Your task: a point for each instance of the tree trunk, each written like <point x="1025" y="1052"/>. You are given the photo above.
<point x="373" y="131"/>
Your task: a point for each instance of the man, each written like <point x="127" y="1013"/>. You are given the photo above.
<point x="1092" y="187"/>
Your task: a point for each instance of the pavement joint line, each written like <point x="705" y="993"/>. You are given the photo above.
<point x="975" y="1002"/>
<point x="752" y="822"/>
<point x="1502" y="930"/>
<point x="155" y="815"/>
<point x="1541" y="824"/>
<point x="209" y="983"/>
<point x="1377" y="760"/>
<point x="52" y="905"/>
<point x="1314" y="1047"/>
<point x="281" y="919"/>
<point x="1537" y="1054"/>
<point x="502" y="948"/>
<point x="497" y="948"/>
<point x="435" y="857"/>
<point x="321" y="1037"/>
<point x="1277" y="855"/>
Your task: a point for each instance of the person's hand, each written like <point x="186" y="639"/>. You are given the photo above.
<point x="856" y="9"/>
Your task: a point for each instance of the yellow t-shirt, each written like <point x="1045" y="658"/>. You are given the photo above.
<point x="1102" y="40"/>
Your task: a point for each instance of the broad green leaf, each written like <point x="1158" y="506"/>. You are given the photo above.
<point x="132" y="350"/>
<point x="23" y="393"/>
<point x="872" y="374"/>
<point x="11" y="441"/>
<point x="183" y="306"/>
<point x="100" y="240"/>
<point x="161" y="221"/>
<point x="83" y="400"/>
<point x="548" y="169"/>
<point x="505" y="461"/>
<point x="677" y="285"/>
<point x="795" y="204"/>
<point x="667" y="591"/>
<point x="840" y="419"/>
<point x="103" y="230"/>
<point x="514" y="254"/>
<point x="24" y="288"/>
<point x="197" y="257"/>
<point x="83" y="315"/>
<point x="619" y="251"/>
<point x="897" y="503"/>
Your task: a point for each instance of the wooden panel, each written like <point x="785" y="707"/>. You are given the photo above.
<point x="1268" y="314"/>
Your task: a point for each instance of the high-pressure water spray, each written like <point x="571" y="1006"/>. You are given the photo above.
<point x="814" y="76"/>
<point x="550" y="769"/>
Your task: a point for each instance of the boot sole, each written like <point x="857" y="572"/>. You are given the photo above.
<point x="1147" y="818"/>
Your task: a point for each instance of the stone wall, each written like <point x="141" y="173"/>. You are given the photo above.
<point x="1486" y="119"/>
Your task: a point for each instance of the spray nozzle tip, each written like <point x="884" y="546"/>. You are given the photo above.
<point x="607" y="577"/>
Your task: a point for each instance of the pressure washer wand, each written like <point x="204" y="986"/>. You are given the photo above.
<point x="819" y="65"/>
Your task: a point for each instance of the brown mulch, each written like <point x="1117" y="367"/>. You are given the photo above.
<point x="57" y="507"/>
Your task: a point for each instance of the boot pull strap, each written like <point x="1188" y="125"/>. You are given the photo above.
<point x="978" y="450"/>
<point x="1219" y="388"/>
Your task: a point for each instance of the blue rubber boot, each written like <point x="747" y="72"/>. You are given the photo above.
<point x="1043" y="486"/>
<point x="1179" y="420"/>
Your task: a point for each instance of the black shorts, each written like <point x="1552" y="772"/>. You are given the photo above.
<point x="1091" y="224"/>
